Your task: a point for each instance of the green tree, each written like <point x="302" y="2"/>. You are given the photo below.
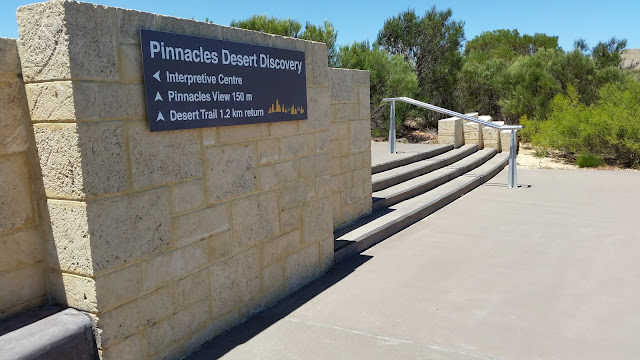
<point x="607" y="54"/>
<point x="269" y="25"/>
<point x="390" y="76"/>
<point x="326" y="34"/>
<point x="487" y="58"/>
<point x="432" y="44"/>
<point x="291" y="28"/>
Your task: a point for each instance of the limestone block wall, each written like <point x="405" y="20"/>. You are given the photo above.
<point x="22" y="268"/>
<point x="169" y="238"/>
<point x="350" y="165"/>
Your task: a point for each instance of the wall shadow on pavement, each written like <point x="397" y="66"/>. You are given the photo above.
<point x="244" y="332"/>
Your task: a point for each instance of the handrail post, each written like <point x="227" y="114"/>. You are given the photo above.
<point x="512" y="181"/>
<point x="392" y="129"/>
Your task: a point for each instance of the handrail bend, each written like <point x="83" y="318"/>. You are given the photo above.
<point x="512" y="181"/>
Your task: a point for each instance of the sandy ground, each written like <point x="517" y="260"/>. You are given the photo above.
<point x="527" y="160"/>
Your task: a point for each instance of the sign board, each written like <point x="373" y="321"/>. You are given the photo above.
<point x="193" y="82"/>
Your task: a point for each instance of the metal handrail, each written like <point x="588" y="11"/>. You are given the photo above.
<point x="512" y="181"/>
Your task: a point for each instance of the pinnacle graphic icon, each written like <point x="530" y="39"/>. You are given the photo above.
<point x="160" y="117"/>
<point x="158" y="97"/>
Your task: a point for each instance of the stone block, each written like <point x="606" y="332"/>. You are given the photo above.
<point x="14" y="118"/>
<point x="130" y="22"/>
<point x="473" y="134"/>
<point x="52" y="101"/>
<point x="187" y="196"/>
<point x="74" y="291"/>
<point x="173" y="265"/>
<point x="254" y="219"/>
<point x="317" y="221"/>
<point x="360" y="135"/>
<point x="320" y="63"/>
<point x="322" y="141"/>
<point x="103" y="101"/>
<point x="342" y="181"/>
<point x="301" y="267"/>
<point x="289" y="219"/>
<point x="230" y="171"/>
<point x="91" y="32"/>
<point x="20" y="249"/>
<point x="336" y="202"/>
<point x="274" y="249"/>
<point x="324" y="186"/>
<point x="362" y="175"/>
<point x="188" y="27"/>
<point x="505" y="140"/>
<point x="297" y="145"/>
<point x="361" y="78"/>
<point x="295" y="194"/>
<point x="491" y="138"/>
<point x="339" y="130"/>
<point x="130" y="348"/>
<point x="22" y="285"/>
<point x="193" y="288"/>
<point x="278" y="174"/>
<point x="365" y="103"/>
<point x="16" y="205"/>
<point x="210" y="136"/>
<point x="246" y="36"/>
<point x="91" y="238"/>
<point x="237" y="133"/>
<point x="131" y="63"/>
<point x="268" y="150"/>
<point x="44" y="42"/>
<point x="315" y="166"/>
<point x="319" y="116"/>
<point x="82" y="160"/>
<point x="163" y="157"/>
<point x="346" y="112"/>
<point x="341" y="85"/>
<point x="118" y="287"/>
<point x="200" y="224"/>
<point x="326" y="253"/>
<point x="161" y="335"/>
<point x="273" y="277"/>
<point x="450" y="132"/>
<point x="346" y="214"/>
<point x="283" y="128"/>
<point x="220" y="246"/>
<point x="362" y="207"/>
<point x="234" y="280"/>
<point x="129" y="318"/>
<point x="9" y="60"/>
<point x="353" y="194"/>
<point x="217" y="327"/>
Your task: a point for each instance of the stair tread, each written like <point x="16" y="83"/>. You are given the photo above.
<point x="387" y="216"/>
<point x="401" y="159"/>
<point x="397" y="175"/>
<point x="480" y="155"/>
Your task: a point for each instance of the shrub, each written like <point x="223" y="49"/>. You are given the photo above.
<point x="588" y="160"/>
<point x="609" y="128"/>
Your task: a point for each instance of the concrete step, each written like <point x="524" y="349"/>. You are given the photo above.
<point x="50" y="332"/>
<point x="403" y="173"/>
<point x="401" y="160"/>
<point x="418" y="185"/>
<point x="388" y="221"/>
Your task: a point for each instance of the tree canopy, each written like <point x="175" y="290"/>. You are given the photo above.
<point x="325" y="33"/>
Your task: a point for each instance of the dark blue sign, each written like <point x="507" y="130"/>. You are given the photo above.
<point x="193" y="82"/>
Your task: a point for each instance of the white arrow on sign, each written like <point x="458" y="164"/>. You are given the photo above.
<point x="160" y="117"/>
<point x="157" y="75"/>
<point x="158" y="97"/>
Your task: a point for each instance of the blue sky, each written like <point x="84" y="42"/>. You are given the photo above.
<point x="358" y="20"/>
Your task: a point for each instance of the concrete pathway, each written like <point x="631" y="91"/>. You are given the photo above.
<point x="550" y="271"/>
